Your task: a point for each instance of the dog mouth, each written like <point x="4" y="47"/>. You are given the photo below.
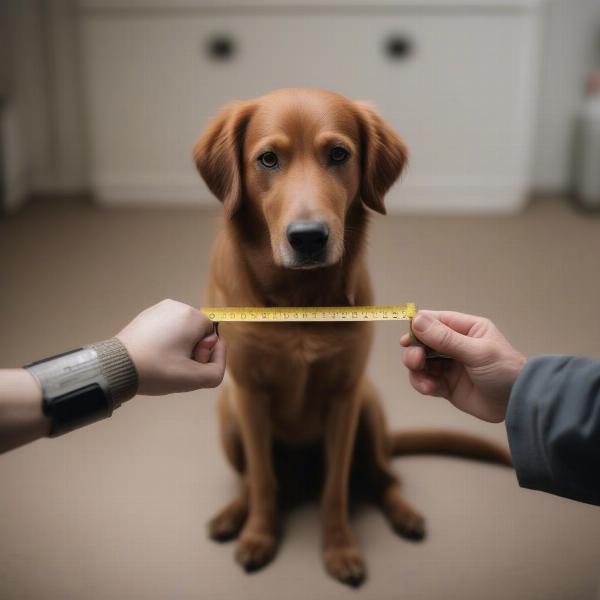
<point x="308" y="264"/>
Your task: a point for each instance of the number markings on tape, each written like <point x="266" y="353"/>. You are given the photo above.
<point x="308" y="314"/>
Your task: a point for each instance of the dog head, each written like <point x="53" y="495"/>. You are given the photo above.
<point x="299" y="160"/>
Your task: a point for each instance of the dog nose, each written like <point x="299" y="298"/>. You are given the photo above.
<point x="308" y="238"/>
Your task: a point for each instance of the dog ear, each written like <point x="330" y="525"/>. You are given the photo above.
<point x="383" y="156"/>
<point x="218" y="154"/>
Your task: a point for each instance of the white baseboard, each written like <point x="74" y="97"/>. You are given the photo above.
<point x="450" y="197"/>
<point x="455" y="199"/>
<point x="153" y="196"/>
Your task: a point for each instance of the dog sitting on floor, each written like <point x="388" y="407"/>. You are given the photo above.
<point x="298" y="171"/>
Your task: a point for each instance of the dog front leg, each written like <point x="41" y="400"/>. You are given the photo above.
<point x="258" y="538"/>
<point x="341" y="553"/>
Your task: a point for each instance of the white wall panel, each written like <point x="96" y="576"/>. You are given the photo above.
<point x="463" y="101"/>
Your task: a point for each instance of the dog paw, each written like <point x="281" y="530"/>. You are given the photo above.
<point x="411" y="527"/>
<point x="403" y="518"/>
<point x="224" y="528"/>
<point x="345" y="564"/>
<point x="255" y="550"/>
<point x="227" y="523"/>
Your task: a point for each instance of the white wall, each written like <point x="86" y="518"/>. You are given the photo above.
<point x="44" y="95"/>
<point x="29" y="96"/>
<point x="6" y="56"/>
<point x="48" y="95"/>
<point x="571" y="40"/>
<point x="68" y="166"/>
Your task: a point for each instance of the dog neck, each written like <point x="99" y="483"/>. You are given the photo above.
<point x="273" y="285"/>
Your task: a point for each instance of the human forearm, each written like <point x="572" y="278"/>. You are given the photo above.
<point x="55" y="395"/>
<point x="21" y="416"/>
<point x="553" y="424"/>
<point x="168" y="348"/>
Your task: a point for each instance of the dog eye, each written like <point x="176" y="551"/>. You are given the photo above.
<point x="338" y="155"/>
<point x="268" y="160"/>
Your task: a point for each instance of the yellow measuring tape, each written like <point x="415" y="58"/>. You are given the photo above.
<point x="309" y="314"/>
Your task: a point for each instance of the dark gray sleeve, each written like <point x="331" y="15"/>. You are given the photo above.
<point x="553" y="425"/>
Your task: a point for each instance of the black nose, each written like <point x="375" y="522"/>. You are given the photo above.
<point x="308" y="238"/>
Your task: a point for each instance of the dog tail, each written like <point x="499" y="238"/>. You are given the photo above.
<point x="453" y="443"/>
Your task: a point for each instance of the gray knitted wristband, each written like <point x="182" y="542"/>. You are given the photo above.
<point x="118" y="369"/>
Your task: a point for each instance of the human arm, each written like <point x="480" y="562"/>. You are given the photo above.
<point x="551" y="403"/>
<point x="553" y="425"/>
<point x="21" y="417"/>
<point x="170" y="347"/>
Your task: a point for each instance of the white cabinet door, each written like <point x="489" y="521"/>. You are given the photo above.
<point x="461" y="99"/>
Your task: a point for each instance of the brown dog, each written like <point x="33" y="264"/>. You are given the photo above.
<point x="297" y="171"/>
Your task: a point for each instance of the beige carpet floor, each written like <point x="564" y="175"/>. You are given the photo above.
<point x="118" y="510"/>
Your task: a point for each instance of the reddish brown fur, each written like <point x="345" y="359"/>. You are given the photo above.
<point x="303" y="384"/>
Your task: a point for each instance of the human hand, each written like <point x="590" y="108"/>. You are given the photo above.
<point x="480" y="378"/>
<point x="174" y="349"/>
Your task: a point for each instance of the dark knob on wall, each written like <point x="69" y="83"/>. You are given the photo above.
<point x="398" y="47"/>
<point x="221" y="47"/>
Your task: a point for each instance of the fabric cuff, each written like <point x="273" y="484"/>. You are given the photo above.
<point x="118" y="369"/>
<point x="529" y="458"/>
